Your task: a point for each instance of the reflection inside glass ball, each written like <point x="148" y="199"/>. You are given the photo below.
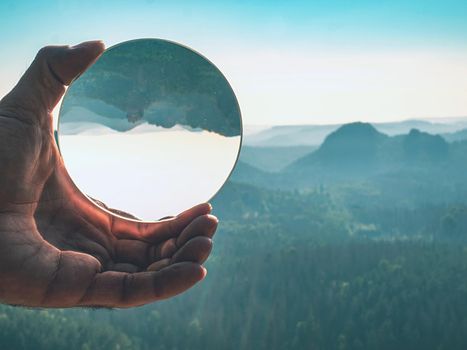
<point x="152" y="128"/>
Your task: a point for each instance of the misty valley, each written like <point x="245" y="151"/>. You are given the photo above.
<point x="402" y="186"/>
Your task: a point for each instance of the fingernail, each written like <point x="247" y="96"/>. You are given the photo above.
<point x="91" y="43"/>
<point x="205" y="272"/>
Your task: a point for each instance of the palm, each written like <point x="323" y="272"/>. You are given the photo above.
<point x="59" y="249"/>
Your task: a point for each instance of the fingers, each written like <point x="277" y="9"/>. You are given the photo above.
<point x="163" y="250"/>
<point x="121" y="267"/>
<point x="42" y="85"/>
<point x="136" y="255"/>
<point x="159" y="265"/>
<point x="195" y="250"/>
<point x="205" y="225"/>
<point x="158" y="231"/>
<point x="68" y="279"/>
<point x="143" y="254"/>
<point x="118" y="289"/>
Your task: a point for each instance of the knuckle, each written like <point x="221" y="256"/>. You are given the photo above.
<point x="49" y="49"/>
<point x="45" y="52"/>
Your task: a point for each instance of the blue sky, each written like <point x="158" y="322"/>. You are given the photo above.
<point x="289" y="62"/>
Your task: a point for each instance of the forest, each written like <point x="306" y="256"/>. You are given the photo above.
<point x="360" y="243"/>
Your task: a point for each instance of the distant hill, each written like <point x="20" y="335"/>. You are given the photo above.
<point x="358" y="152"/>
<point x="456" y="136"/>
<point x="439" y="126"/>
<point x="294" y="135"/>
<point x="358" y="149"/>
<point x="290" y="135"/>
<point x="422" y="147"/>
<point x="246" y="173"/>
<point x="351" y="144"/>
<point x="372" y="174"/>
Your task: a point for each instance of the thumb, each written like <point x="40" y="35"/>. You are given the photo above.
<point x="43" y="84"/>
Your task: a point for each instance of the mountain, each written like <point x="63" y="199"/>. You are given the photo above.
<point x="79" y="119"/>
<point x="83" y="120"/>
<point x="352" y="149"/>
<point x="422" y="147"/>
<point x="294" y="135"/>
<point x="356" y="143"/>
<point x="85" y="128"/>
<point x="374" y="175"/>
<point x="359" y="146"/>
<point x="358" y="152"/>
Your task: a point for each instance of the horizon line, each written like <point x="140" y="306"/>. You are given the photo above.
<point x="432" y="120"/>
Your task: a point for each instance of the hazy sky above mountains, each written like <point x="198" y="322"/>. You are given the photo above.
<point x="288" y="62"/>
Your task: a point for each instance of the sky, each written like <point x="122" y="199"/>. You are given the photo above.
<point x="289" y="62"/>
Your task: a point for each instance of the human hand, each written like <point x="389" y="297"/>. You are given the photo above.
<point x="59" y="249"/>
